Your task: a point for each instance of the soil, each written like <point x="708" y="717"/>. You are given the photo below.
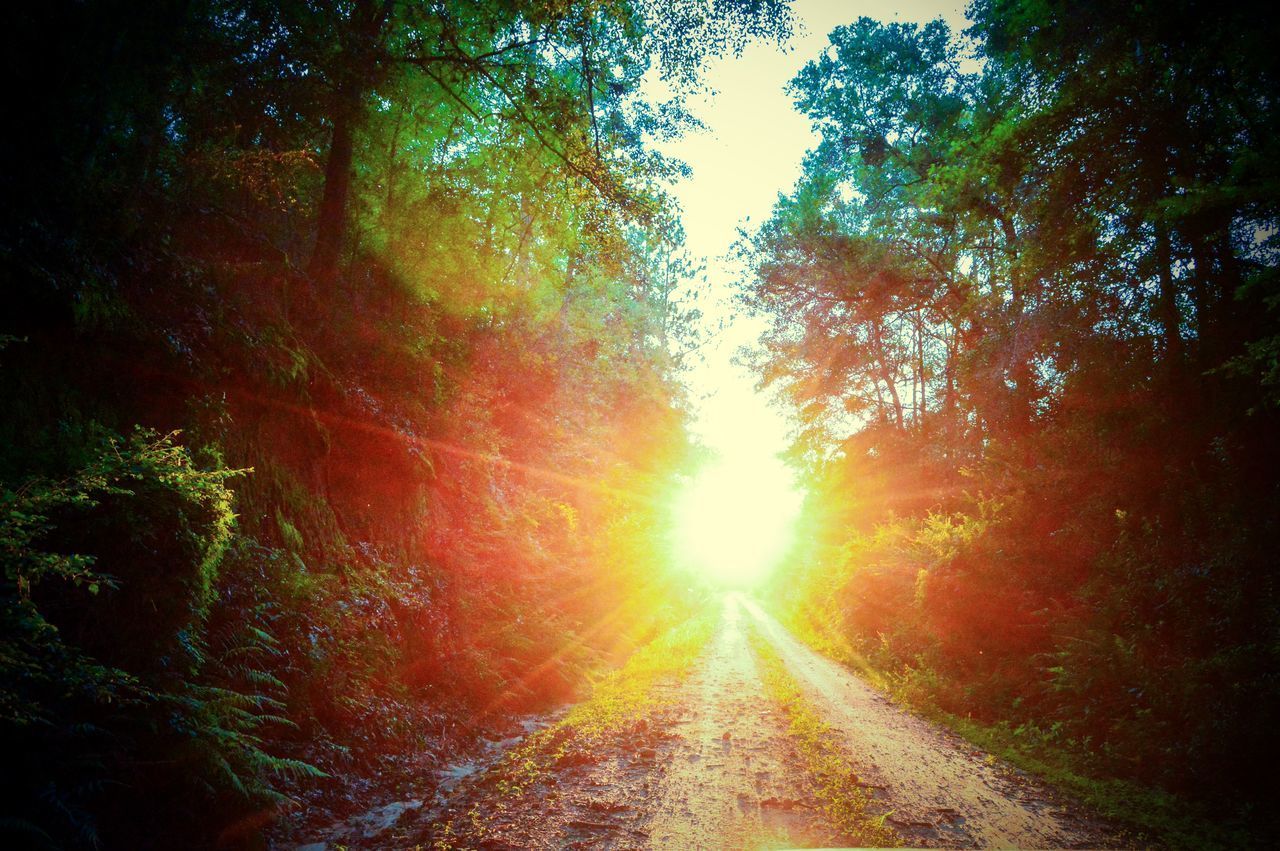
<point x="714" y="767"/>
<point x="939" y="790"/>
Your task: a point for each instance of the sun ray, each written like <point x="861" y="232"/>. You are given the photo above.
<point x="736" y="518"/>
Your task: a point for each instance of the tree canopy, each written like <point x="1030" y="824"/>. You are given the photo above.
<point x="1024" y="298"/>
<point x="340" y="405"/>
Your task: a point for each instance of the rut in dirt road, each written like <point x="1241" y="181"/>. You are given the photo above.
<point x="734" y="779"/>
<point x="939" y="790"/>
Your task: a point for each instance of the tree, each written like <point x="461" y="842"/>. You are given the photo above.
<point x="1027" y="314"/>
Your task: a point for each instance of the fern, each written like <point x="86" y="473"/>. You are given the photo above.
<point x="204" y="712"/>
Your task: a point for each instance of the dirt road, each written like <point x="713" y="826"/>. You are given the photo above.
<point x="717" y="768"/>
<point x="734" y="779"/>
<point x="938" y="789"/>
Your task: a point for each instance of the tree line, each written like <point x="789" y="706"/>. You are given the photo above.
<point x="339" y="407"/>
<point x="1024" y="300"/>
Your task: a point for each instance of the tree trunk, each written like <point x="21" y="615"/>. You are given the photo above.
<point x="1167" y="300"/>
<point x="924" y="387"/>
<point x="362" y="57"/>
<point x="888" y="377"/>
<point x="331" y="226"/>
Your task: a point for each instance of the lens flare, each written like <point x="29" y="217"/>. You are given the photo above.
<point x="735" y="519"/>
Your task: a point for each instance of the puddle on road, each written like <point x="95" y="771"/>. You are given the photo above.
<point x="367" y="825"/>
<point x="448" y="777"/>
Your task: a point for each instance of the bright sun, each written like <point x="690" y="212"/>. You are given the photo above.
<point x="735" y="519"/>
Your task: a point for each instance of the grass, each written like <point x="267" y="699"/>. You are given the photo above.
<point x="1156" y="817"/>
<point x="846" y="803"/>
<point x="618" y="702"/>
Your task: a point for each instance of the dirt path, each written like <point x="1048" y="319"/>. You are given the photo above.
<point x="939" y="789"/>
<point x="713" y="769"/>
<point x="734" y="779"/>
<point x="716" y="769"/>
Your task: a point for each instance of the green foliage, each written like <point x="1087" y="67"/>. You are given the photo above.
<point x="109" y="576"/>
<point x="149" y="467"/>
<point x="413" y="265"/>
<point x="1025" y="306"/>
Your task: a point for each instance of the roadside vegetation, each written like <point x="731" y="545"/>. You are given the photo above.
<point x="1025" y="302"/>
<point x="1155" y="816"/>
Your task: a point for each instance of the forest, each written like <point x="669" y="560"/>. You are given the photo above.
<point x="1027" y="309"/>
<point x="341" y="365"/>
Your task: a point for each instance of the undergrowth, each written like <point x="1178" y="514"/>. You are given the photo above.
<point x="1156" y="816"/>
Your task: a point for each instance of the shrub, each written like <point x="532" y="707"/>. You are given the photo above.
<point x="109" y="700"/>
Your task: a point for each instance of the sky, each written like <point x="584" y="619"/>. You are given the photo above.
<point x="750" y="151"/>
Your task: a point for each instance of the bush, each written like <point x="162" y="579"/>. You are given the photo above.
<point x="109" y="700"/>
